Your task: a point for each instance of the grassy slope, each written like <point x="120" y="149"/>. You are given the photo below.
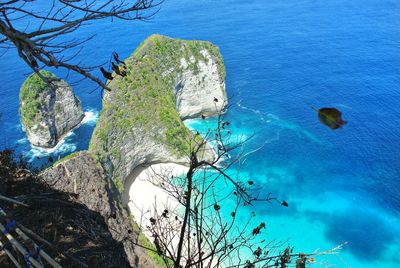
<point x="29" y="94"/>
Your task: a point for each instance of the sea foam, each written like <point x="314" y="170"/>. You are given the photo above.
<point x="68" y="144"/>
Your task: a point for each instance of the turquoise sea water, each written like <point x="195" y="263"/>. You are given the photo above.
<point x="281" y="58"/>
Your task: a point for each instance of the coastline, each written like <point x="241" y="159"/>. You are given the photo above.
<point x="64" y="145"/>
<point x="144" y="198"/>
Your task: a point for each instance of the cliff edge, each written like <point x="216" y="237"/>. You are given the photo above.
<point x="80" y="175"/>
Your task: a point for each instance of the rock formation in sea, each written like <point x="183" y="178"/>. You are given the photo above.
<point x="141" y="122"/>
<point x="48" y="110"/>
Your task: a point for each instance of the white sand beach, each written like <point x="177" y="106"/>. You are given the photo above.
<point x="145" y="198"/>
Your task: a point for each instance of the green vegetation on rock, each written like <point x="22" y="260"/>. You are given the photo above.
<point x="119" y="185"/>
<point x="29" y="94"/>
<point x="69" y="156"/>
<point x="147" y="245"/>
<point x="142" y="104"/>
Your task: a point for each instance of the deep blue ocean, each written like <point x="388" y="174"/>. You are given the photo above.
<point x="281" y="56"/>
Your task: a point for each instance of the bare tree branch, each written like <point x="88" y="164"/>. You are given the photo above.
<point x="40" y="41"/>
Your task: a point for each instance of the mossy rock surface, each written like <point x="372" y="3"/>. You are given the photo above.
<point x="48" y="109"/>
<point x="29" y="95"/>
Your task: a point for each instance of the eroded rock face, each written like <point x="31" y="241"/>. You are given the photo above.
<point x="196" y="89"/>
<point x="141" y="122"/>
<point x="48" y="110"/>
<point x="80" y="175"/>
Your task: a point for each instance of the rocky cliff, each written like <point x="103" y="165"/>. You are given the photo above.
<point x="76" y="236"/>
<point x="48" y="110"/>
<point x="81" y="176"/>
<point x="199" y="81"/>
<point x="141" y="122"/>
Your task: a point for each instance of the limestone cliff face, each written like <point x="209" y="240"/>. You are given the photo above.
<point x="48" y="111"/>
<point x="196" y="89"/>
<point x="141" y="122"/>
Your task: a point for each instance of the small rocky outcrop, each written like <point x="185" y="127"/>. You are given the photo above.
<point x="81" y="176"/>
<point x="141" y="122"/>
<point x="48" y="110"/>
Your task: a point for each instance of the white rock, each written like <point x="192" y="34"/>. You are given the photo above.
<point x="195" y="92"/>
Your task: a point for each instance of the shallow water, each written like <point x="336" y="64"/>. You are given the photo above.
<point x="282" y="57"/>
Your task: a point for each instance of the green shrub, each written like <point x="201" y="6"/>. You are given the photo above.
<point x="29" y="97"/>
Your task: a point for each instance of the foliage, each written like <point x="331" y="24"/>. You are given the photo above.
<point x="45" y="42"/>
<point x="119" y="184"/>
<point x="145" y="243"/>
<point x="29" y="96"/>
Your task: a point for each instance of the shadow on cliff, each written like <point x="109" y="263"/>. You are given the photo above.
<point x="130" y="180"/>
<point x="79" y="235"/>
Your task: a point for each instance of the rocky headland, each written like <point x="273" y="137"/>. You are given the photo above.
<point x="141" y="122"/>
